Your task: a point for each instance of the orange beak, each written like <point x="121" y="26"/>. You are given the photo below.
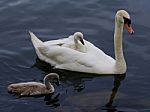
<point x="129" y="28"/>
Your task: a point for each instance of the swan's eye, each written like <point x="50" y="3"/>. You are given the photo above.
<point x="127" y="21"/>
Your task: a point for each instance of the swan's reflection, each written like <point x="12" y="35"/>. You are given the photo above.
<point x="117" y="83"/>
<point x="77" y="80"/>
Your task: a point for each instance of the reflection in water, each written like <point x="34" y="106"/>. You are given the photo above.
<point x="77" y="80"/>
<point x="52" y="100"/>
<point x="117" y="82"/>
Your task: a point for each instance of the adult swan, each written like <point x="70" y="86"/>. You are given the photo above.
<point x="93" y="60"/>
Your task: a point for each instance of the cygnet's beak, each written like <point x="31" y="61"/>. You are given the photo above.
<point x="82" y="41"/>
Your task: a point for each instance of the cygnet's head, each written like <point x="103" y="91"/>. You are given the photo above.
<point x="78" y="36"/>
<point x="123" y="17"/>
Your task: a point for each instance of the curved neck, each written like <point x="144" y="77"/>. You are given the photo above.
<point x="118" y="41"/>
<point x="120" y="61"/>
<point x="76" y="42"/>
<point x="47" y="82"/>
<point x="50" y="77"/>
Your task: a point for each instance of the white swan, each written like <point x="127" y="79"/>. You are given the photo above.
<point x="34" y="88"/>
<point x="75" y="41"/>
<point x="93" y="60"/>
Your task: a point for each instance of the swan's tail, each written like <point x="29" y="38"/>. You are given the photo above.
<point x="36" y="42"/>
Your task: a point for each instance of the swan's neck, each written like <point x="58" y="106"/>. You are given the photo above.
<point x="48" y="85"/>
<point x="47" y="82"/>
<point x="76" y="42"/>
<point x="77" y="45"/>
<point x="48" y="78"/>
<point x="120" y="61"/>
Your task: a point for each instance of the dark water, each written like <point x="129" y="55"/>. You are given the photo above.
<point x="52" y="19"/>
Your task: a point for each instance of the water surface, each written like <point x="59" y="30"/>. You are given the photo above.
<point x="52" y="19"/>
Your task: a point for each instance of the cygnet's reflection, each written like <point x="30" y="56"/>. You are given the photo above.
<point x="77" y="80"/>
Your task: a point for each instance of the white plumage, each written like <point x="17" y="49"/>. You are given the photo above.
<point x="92" y="60"/>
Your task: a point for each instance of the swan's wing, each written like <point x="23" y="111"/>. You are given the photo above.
<point x="90" y="48"/>
<point x="70" y="59"/>
<point x="62" y="55"/>
<point x="60" y="42"/>
<point x="36" y="92"/>
<point x="26" y="92"/>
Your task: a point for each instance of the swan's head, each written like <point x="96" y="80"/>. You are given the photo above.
<point x="51" y="77"/>
<point x="78" y="36"/>
<point x="123" y="17"/>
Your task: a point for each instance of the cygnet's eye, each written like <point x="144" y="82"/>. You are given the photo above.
<point x="127" y="21"/>
<point x="82" y="41"/>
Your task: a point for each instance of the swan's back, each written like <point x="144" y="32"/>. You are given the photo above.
<point x="65" y="42"/>
<point x="93" y="60"/>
